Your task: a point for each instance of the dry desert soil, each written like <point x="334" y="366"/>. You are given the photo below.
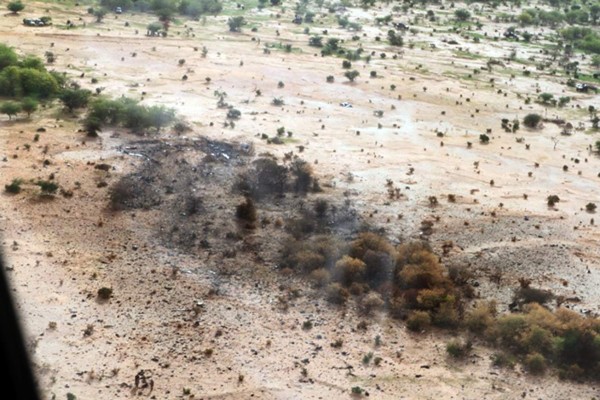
<point x="218" y="321"/>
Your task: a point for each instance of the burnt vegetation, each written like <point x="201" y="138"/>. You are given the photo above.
<point x="276" y="212"/>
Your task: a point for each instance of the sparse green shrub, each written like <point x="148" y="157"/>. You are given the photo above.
<point x="357" y="390"/>
<point x="481" y="318"/>
<point x="535" y="364"/>
<point x="75" y="98"/>
<point x="418" y="321"/>
<point x="14" y="187"/>
<point x="47" y="187"/>
<point x="503" y="360"/>
<point x="457" y="349"/>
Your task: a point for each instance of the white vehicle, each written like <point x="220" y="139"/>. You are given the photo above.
<point x="118" y="10"/>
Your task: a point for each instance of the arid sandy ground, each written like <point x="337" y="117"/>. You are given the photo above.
<point x="62" y="251"/>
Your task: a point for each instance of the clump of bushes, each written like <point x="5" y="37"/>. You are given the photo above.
<point x="409" y="280"/>
<point x="26" y="76"/>
<point x="267" y="178"/>
<point x="127" y="113"/>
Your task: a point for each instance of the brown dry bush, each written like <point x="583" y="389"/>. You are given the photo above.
<point x="320" y="276"/>
<point x="304" y="255"/>
<point x="481" y="318"/>
<point x="307" y="261"/>
<point x="447" y="315"/>
<point x="246" y="211"/>
<point x="349" y="270"/>
<point x="266" y="178"/>
<point x="134" y="192"/>
<point x="370" y="241"/>
<point x="336" y="294"/>
<point x="535" y="363"/>
<point x="431" y="299"/>
<point x="422" y="272"/>
<point x="372" y="302"/>
<point x="538" y="340"/>
<point x="301" y="227"/>
<point x="526" y="295"/>
<point x="508" y="331"/>
<point x="379" y="267"/>
<point x="304" y="177"/>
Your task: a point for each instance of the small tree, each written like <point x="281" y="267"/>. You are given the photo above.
<point x="8" y="56"/>
<point x="99" y="13"/>
<point x="15" y="6"/>
<point x="160" y="116"/>
<point x="29" y="105"/>
<point x="462" y="14"/>
<point x="351" y="75"/>
<point x="546" y="98"/>
<point x="10" y="108"/>
<point x="563" y="101"/>
<point x="590" y="207"/>
<point x="484" y="139"/>
<point x="92" y="126"/>
<point x="532" y="120"/>
<point x="153" y="28"/>
<point x="235" y="24"/>
<point x="394" y="39"/>
<point x="75" y="98"/>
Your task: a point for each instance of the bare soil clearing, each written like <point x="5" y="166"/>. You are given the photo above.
<point x="62" y="251"/>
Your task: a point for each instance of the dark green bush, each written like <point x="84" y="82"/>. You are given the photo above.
<point x="14" y="187"/>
